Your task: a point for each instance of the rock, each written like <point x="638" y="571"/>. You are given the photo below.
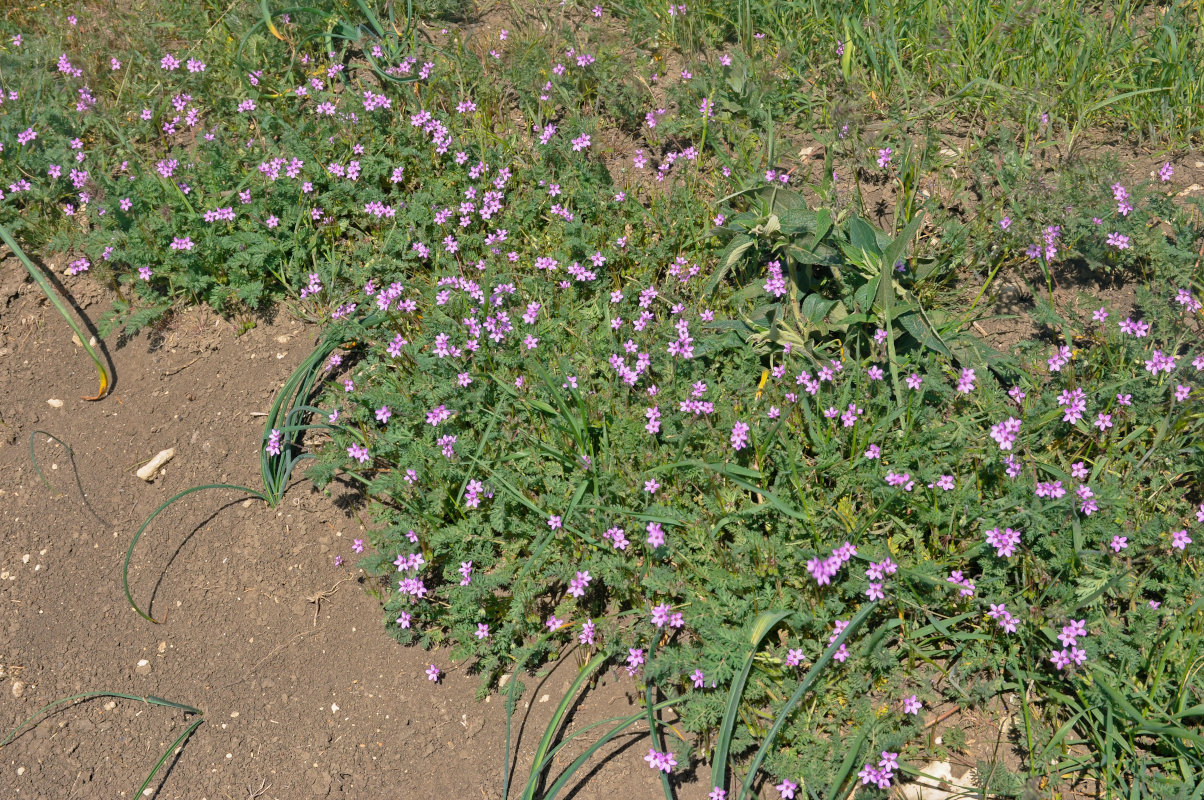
<point x="143" y="667"/>
<point x="54" y="402"/>
<point x="147" y="473"/>
<point x="18" y="688"/>
<point x="937" y="783"/>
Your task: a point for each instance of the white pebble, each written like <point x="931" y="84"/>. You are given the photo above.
<point x="147" y="473"/>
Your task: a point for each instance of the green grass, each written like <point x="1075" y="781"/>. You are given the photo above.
<point x="1130" y="64"/>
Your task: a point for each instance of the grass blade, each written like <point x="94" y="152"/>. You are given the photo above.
<point x="542" y="761"/>
<point x="148" y="699"/>
<point x="627" y="722"/>
<point x="48" y="290"/>
<point x="760" y="629"/>
<point x="34" y="458"/>
<point x="653" y="733"/>
<point x="125" y="568"/>
<point x="803" y="687"/>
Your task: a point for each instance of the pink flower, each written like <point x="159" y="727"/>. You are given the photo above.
<point x="739" y="435"/>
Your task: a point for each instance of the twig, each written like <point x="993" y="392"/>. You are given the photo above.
<point x="934" y="722"/>
<point x="271" y="655"/>
<point x="317" y="598"/>
<point x="168" y="373"/>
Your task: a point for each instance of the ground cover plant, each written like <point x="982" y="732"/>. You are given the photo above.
<point x="613" y="387"/>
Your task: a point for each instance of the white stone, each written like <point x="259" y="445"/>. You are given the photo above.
<point x="147" y="473"/>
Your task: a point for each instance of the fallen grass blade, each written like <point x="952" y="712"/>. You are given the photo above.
<point x="34" y="458"/>
<point x="148" y="699"/>
<point x="74" y="469"/>
<point x="48" y="290"/>
<point x="125" y="568"/>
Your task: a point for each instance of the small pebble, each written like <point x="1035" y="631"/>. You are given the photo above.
<point x="18" y="688"/>
<point x="143" y="667"/>
<point x="54" y="402"/>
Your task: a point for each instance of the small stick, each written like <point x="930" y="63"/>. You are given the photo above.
<point x="317" y="599"/>
<point x="167" y="373"/>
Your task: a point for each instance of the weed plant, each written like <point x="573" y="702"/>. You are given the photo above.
<point x="725" y="445"/>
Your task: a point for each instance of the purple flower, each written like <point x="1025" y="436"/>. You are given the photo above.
<point x="1059" y="359"/>
<point x="432" y="673"/>
<point x="578" y="584"/>
<point x="739" y="435"/>
<point x="1004" y="542"/>
<point x="665" y="762"/>
<point x="1005" y="432"/>
<point x="656" y="535"/>
<point x="912" y="705"/>
<point x="786" y="789"/>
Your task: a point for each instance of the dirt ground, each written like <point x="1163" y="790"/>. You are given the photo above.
<point x="304" y="694"/>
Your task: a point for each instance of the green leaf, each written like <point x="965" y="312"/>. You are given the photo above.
<point x="862" y="237"/>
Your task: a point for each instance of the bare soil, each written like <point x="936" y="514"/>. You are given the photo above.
<point x="304" y="694"/>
